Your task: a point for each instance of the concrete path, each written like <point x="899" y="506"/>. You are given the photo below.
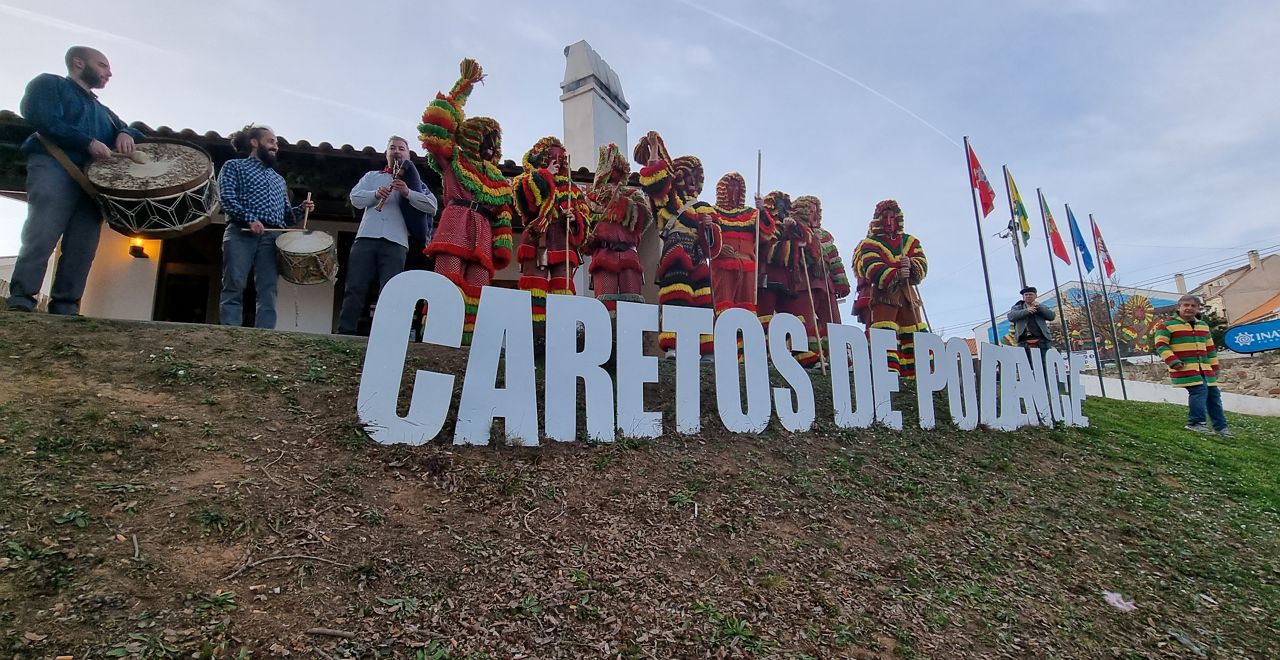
<point x="1163" y="393"/>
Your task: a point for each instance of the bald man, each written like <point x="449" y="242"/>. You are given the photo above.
<point x="67" y="114"/>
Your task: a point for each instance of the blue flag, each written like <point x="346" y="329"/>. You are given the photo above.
<point x="1085" y="258"/>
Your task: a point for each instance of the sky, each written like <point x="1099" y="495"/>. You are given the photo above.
<point x="1161" y="119"/>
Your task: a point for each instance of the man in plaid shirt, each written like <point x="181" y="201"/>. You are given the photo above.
<point x="254" y="199"/>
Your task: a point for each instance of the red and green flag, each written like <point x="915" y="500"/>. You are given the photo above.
<point x="1055" y="237"/>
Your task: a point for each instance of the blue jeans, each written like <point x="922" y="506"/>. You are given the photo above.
<point x="370" y="258"/>
<point x="242" y="253"/>
<point x="1201" y="397"/>
<point x="57" y="209"/>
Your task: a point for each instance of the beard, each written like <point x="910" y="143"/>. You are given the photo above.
<point x="266" y="155"/>
<point x="90" y="78"/>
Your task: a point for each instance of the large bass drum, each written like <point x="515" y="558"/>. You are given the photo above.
<point x="165" y="191"/>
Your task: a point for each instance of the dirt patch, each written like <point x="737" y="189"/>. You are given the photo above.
<point x="229" y="452"/>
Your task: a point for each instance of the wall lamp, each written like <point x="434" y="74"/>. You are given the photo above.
<point x="136" y="250"/>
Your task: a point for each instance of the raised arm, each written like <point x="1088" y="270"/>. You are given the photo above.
<point x="443" y="117"/>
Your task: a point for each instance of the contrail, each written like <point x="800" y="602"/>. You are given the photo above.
<point x="750" y="30"/>
<point x="50" y="21"/>
<point x="60" y="24"/>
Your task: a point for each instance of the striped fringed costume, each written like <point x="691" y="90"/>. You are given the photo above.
<point x="734" y="269"/>
<point x="689" y="233"/>
<point x="543" y="216"/>
<point x="885" y="298"/>
<point x="829" y="282"/>
<point x="773" y="279"/>
<point x="619" y="217"/>
<point x="472" y="239"/>
<point x="785" y="289"/>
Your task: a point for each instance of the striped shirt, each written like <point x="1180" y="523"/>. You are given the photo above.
<point x="1191" y="344"/>
<point x="250" y="190"/>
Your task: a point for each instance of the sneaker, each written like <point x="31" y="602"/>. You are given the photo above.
<point x="670" y="354"/>
<point x="1226" y="433"/>
<point x="1198" y="428"/>
<point x="707" y="359"/>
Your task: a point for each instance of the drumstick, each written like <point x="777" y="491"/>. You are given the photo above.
<point x="305" y="213"/>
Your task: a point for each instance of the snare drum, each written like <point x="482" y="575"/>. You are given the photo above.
<point x="171" y="193"/>
<point x="307" y="257"/>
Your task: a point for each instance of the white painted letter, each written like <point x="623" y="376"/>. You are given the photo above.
<point x="1077" y="391"/>
<point x="687" y="323"/>
<point x="884" y="382"/>
<point x="565" y="365"/>
<point x="962" y="386"/>
<point x="849" y="341"/>
<point x="755" y="418"/>
<point x="504" y="320"/>
<point x="785" y="331"/>
<point x="634" y="369"/>
<point x="931" y="374"/>
<point x="385" y="355"/>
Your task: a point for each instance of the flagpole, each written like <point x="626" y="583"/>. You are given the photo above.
<point x="1088" y="313"/>
<point x="1115" y="336"/>
<point x="982" y="249"/>
<point x="1014" y="229"/>
<point x="1053" y="270"/>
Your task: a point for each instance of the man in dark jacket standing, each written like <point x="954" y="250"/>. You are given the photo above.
<point x="1030" y="322"/>
<point x="67" y="115"/>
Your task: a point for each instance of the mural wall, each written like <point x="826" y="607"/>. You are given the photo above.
<point x="1136" y="311"/>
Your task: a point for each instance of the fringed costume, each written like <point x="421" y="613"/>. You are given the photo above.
<point x="619" y="217"/>
<point x="827" y="277"/>
<point x="473" y="235"/>
<point x="784" y="288"/>
<point x="544" y="201"/>
<point x="734" y="269"/>
<point x="690" y="235"/>
<point x="888" y="264"/>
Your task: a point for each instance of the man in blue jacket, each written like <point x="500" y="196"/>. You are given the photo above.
<point x="68" y="115"/>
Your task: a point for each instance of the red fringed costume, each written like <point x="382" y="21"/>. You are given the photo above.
<point x="473" y="235"/>
<point x="690" y="235"/>
<point x="783" y="288"/>
<point x="827" y="278"/>
<point x="734" y="269"/>
<point x="619" y="217"/>
<point x="544" y="200"/>
<point x="888" y="264"/>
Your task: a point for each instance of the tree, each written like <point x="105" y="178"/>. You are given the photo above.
<point x="1217" y="326"/>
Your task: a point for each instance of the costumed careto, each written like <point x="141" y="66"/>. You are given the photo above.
<point x="619" y="217"/>
<point x="555" y="215"/>
<point x="783" y="286"/>
<point x="472" y="239"/>
<point x="888" y="264"/>
<point x="828" y="281"/>
<point x="690" y="235"/>
<point x="734" y="269"/>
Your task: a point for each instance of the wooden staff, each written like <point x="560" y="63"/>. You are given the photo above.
<point x="808" y="284"/>
<point x="306" y="213"/>
<point x="755" y="290"/>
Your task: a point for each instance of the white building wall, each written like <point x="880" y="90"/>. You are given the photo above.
<point x="121" y="286"/>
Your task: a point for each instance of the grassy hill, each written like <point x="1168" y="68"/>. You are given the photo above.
<point x="179" y="490"/>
